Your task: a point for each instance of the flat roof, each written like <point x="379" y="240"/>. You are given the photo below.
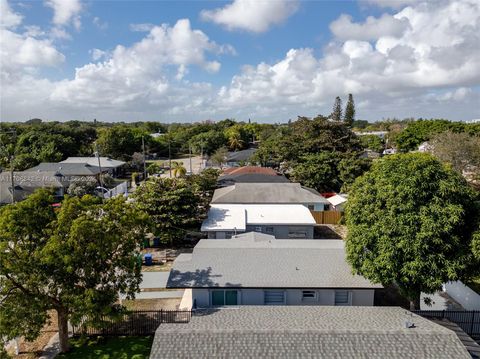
<point x="222" y="217"/>
<point x="261" y="261"/>
<point x="267" y="193"/>
<point x="306" y="331"/>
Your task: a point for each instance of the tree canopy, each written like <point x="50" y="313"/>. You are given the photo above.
<point x="75" y="260"/>
<point x="410" y="223"/>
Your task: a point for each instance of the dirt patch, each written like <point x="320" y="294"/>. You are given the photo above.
<point x="162" y="258"/>
<point x="30" y="350"/>
<point x="153" y="304"/>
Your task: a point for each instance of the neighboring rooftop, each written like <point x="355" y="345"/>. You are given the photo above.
<point x="249" y="169"/>
<point x="239" y="156"/>
<point x="222" y="217"/>
<point x="66" y="169"/>
<point x="267" y="193"/>
<point x="105" y="162"/>
<point x="260" y="261"/>
<point x="306" y="332"/>
<point x="337" y="199"/>
<point x="250" y="174"/>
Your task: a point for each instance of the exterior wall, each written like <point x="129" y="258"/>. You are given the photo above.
<point x="359" y="297"/>
<point x="281" y="232"/>
<point x="462" y="294"/>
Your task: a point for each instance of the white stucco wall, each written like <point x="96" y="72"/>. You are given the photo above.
<point x="465" y="296"/>
<point x="360" y="297"/>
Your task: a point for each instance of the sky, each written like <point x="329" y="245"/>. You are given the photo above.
<point x="268" y="61"/>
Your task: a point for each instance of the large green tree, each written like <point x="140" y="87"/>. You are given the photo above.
<point x="171" y="203"/>
<point x="410" y="223"/>
<point x="75" y="261"/>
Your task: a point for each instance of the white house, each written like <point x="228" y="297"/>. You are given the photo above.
<point x="257" y="269"/>
<point x="280" y="220"/>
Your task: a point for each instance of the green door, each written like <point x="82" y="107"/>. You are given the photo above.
<point x="218" y="298"/>
<point x="231" y="297"/>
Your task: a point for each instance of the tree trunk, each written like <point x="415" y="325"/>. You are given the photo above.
<point x="63" y="329"/>
<point x="415" y="302"/>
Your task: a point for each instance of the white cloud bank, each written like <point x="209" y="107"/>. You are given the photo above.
<point x="65" y="12"/>
<point x="421" y="61"/>
<point x="251" y="15"/>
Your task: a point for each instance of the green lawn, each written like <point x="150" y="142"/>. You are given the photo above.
<point x="109" y="348"/>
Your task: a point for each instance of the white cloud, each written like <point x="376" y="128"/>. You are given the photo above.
<point x="102" y="25"/>
<point x="137" y="74"/>
<point x="460" y="94"/>
<point x="141" y="27"/>
<point x="437" y="49"/>
<point x="8" y="17"/>
<point x="394" y="4"/>
<point x="65" y="12"/>
<point x="251" y="15"/>
<point x="373" y="28"/>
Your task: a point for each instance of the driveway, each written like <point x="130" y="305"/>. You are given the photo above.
<point x="153" y="287"/>
<point x="154" y="280"/>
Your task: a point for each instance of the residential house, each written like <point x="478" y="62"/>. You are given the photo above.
<point x="27" y="182"/>
<point x="306" y="332"/>
<point x="240" y="158"/>
<point x="279" y="220"/>
<point x="250" y="174"/>
<point x="270" y="193"/>
<point x="257" y="269"/>
<point x="68" y="170"/>
<point x="108" y="165"/>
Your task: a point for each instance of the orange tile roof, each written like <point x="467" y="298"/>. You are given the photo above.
<point x="249" y="169"/>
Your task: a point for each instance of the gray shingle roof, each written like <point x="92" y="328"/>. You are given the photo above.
<point x="267" y="193"/>
<point x="251" y="178"/>
<point x="252" y="262"/>
<point x="66" y="169"/>
<point x="306" y="332"/>
<point x="238" y="156"/>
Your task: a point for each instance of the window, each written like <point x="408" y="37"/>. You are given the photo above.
<point x="308" y="294"/>
<point x="274" y="297"/>
<point x="228" y="235"/>
<point x="269" y="230"/>
<point x="224" y="297"/>
<point x="258" y="229"/>
<point x="297" y="232"/>
<point x="342" y="297"/>
<point x="311" y="207"/>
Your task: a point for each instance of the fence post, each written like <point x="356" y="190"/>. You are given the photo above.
<point x="161" y="316"/>
<point x="443" y="314"/>
<point x="471" y="324"/>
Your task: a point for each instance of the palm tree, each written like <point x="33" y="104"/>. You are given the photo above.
<point x="235" y="141"/>
<point x="178" y="170"/>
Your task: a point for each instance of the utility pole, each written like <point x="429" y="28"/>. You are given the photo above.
<point x="169" y="158"/>
<point x="100" y="169"/>
<point x="144" y="165"/>
<point x="190" y="158"/>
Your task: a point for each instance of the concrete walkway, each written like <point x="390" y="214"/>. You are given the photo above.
<point x="52" y="349"/>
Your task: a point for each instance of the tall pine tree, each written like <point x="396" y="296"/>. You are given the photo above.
<point x="337" y="110"/>
<point x="349" y="111"/>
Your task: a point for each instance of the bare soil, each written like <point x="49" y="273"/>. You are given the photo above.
<point x="153" y="304"/>
<point x="30" y="350"/>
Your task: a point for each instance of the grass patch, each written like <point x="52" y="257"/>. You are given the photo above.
<point x="109" y="348"/>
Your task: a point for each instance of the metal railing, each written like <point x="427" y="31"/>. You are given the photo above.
<point x="468" y="320"/>
<point x="132" y="323"/>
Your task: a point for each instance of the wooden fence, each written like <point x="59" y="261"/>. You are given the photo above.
<point x="132" y="323"/>
<point x="327" y="217"/>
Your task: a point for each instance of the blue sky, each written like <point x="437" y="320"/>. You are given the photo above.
<point x="267" y="60"/>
